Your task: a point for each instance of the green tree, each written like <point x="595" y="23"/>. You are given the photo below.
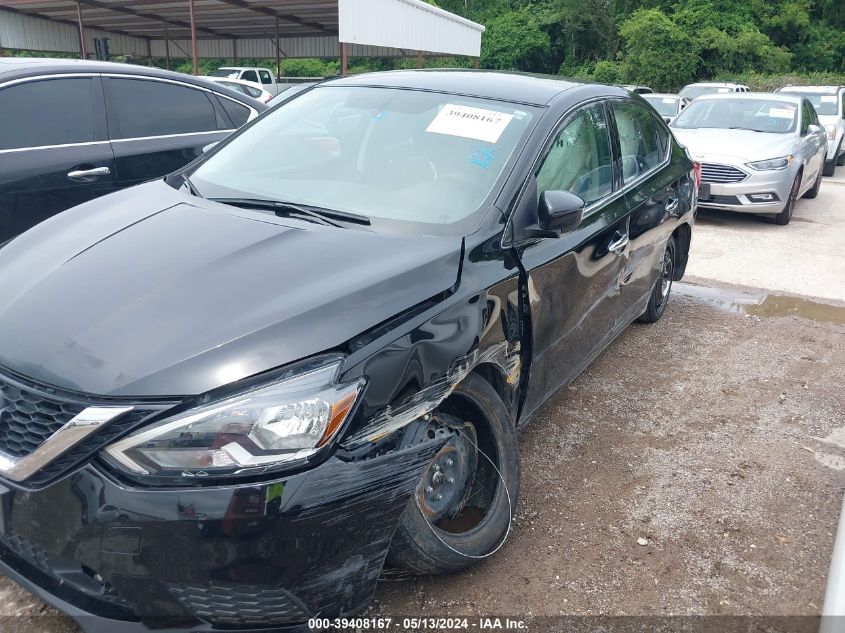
<point x="658" y="52"/>
<point x="515" y="41"/>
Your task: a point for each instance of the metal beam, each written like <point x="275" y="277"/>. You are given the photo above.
<point x="278" y="51"/>
<point x="81" y="31"/>
<point x="149" y="16"/>
<point x="194" y="38"/>
<point x="289" y="18"/>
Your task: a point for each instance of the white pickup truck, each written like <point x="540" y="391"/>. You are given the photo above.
<point x="256" y="75"/>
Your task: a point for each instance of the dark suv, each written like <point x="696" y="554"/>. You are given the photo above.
<point x="73" y="130"/>
<point x="230" y="396"/>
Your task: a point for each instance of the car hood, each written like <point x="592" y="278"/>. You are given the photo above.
<point x="711" y="145"/>
<point x="152" y="292"/>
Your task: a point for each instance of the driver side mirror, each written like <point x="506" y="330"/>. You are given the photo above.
<point x="813" y="129"/>
<point x="560" y="211"/>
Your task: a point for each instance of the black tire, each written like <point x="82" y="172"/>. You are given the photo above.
<point x="785" y="216"/>
<point x="814" y="190"/>
<point x="659" y="298"/>
<point x="841" y="160"/>
<point x="829" y="168"/>
<point x="420" y="545"/>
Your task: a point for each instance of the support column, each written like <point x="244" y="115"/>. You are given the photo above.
<point x="278" y="51"/>
<point x="167" y="47"/>
<point x="478" y="62"/>
<point x="235" y="52"/>
<point x="344" y="59"/>
<point x="419" y="59"/>
<point x="194" y="37"/>
<point x="81" y="31"/>
<point x="149" y="53"/>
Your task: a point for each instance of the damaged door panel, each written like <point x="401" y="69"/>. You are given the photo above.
<point x="309" y="359"/>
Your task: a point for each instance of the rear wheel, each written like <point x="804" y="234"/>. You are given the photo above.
<point x="814" y="191"/>
<point x="841" y="160"/>
<point x="785" y="216"/>
<point x="462" y="508"/>
<point x="663" y="286"/>
<point x="829" y="167"/>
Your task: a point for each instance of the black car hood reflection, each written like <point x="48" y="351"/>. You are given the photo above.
<point x="152" y="292"/>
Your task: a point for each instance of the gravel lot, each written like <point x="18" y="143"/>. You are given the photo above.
<point x="715" y="437"/>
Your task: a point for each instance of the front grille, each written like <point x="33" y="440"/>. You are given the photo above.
<point x="711" y="172"/>
<point x="228" y="604"/>
<point x="28" y="418"/>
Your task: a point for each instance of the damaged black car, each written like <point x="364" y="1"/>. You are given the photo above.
<point x="230" y="397"/>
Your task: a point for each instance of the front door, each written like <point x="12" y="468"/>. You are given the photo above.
<point x="574" y="281"/>
<point x="54" y="153"/>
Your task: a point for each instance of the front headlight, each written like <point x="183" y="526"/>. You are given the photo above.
<point x="772" y="163"/>
<point x="263" y="428"/>
<point x="831" y="131"/>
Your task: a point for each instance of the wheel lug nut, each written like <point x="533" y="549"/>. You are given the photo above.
<point x="429" y="489"/>
<point x="437" y="467"/>
<point x="449" y="462"/>
<point x="451" y="480"/>
<point x="438" y="497"/>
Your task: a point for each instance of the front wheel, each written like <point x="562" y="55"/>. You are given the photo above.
<point x="785" y="216"/>
<point x="659" y="298"/>
<point x="462" y="508"/>
<point x="814" y="190"/>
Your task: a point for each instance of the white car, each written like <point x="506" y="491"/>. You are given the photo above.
<point x="247" y="87"/>
<point x="695" y="90"/>
<point x="668" y="106"/>
<point x="253" y="74"/>
<point x="829" y="102"/>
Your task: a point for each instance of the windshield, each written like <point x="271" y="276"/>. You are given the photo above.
<point x="224" y="72"/>
<point x="759" y="115"/>
<point x="826" y="105"/>
<point x="665" y="106"/>
<point x="421" y="162"/>
<point x="693" y="92"/>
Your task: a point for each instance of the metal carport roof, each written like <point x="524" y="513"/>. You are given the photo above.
<point x="241" y="27"/>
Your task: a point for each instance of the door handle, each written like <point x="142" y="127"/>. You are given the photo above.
<point x="82" y="174"/>
<point x="672" y="205"/>
<point x="619" y="244"/>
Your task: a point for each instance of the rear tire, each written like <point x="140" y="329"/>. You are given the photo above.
<point x="659" y="298"/>
<point x="785" y="216"/>
<point x="841" y="160"/>
<point x="829" y="168"/>
<point x="451" y="541"/>
<point x="814" y="191"/>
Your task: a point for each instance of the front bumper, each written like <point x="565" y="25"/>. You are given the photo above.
<point x="735" y="196"/>
<point x="249" y="556"/>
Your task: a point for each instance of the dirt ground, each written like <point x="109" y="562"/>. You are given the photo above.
<point x="697" y="467"/>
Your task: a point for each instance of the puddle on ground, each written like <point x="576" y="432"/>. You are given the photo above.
<point x="764" y="304"/>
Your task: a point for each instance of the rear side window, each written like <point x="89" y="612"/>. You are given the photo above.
<point x="139" y="108"/>
<point x="580" y="158"/>
<point x="47" y="112"/>
<point x="237" y="112"/>
<point x="642" y="148"/>
<point x="265" y="77"/>
<point x="249" y="75"/>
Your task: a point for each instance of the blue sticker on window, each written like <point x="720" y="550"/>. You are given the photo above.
<point x="482" y="156"/>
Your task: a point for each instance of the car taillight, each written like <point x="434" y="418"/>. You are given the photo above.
<point x="696" y="168"/>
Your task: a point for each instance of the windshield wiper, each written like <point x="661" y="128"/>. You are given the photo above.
<point x="739" y="127"/>
<point x="323" y="216"/>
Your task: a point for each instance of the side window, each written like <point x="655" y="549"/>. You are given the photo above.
<point x="265" y="77"/>
<point x="639" y="142"/>
<point x="237" y="112"/>
<point x="580" y="159"/>
<point x="139" y="108"/>
<point x="47" y="112"/>
<point x="249" y="75"/>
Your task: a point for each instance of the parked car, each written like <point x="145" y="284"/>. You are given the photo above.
<point x="829" y="102"/>
<point x="312" y="349"/>
<point x="693" y="91"/>
<point x="759" y="152"/>
<point x="667" y="105"/>
<point x="640" y="90"/>
<point x="256" y="91"/>
<point x="253" y="74"/>
<point x="74" y="130"/>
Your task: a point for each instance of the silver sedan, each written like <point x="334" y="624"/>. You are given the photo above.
<point x="759" y="152"/>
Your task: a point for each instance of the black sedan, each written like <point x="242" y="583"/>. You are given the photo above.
<point x="74" y="130"/>
<point x="231" y="395"/>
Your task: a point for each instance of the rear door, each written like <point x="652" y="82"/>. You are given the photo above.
<point x="574" y="281"/>
<point x="54" y="151"/>
<point x="157" y="126"/>
<point x="652" y="189"/>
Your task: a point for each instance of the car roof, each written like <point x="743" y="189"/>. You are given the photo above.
<point x="661" y="95"/>
<point x="718" y="84"/>
<point x="819" y="89"/>
<point x="507" y="86"/>
<point x="20" y="67"/>
<point x="737" y="96"/>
